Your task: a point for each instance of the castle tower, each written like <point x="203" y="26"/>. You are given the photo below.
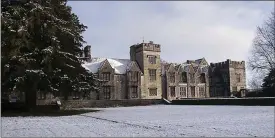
<point x="227" y="78"/>
<point x="237" y="76"/>
<point x="147" y="55"/>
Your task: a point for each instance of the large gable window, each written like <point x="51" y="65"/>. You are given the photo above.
<point x="183" y="77"/>
<point x="192" y="78"/>
<point x="202" y="78"/>
<point x="107" y="92"/>
<point x="134" y="91"/>
<point x="172" y="77"/>
<point x="133" y="76"/>
<point x="106" y="76"/>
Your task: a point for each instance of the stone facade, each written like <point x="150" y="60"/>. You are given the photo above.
<point x="227" y="78"/>
<point x="146" y="76"/>
<point x="119" y="78"/>
<point x="185" y="80"/>
<point x="147" y="56"/>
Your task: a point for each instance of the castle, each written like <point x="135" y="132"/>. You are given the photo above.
<point x="146" y="76"/>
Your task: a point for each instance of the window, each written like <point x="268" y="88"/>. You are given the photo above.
<point x="184" y="77"/>
<point x="106" y="76"/>
<point x="183" y="91"/>
<point x="107" y="92"/>
<point x="192" y="78"/>
<point x="202" y="78"/>
<point x="133" y="76"/>
<point x="238" y="76"/>
<point x="202" y="91"/>
<point x="152" y="74"/>
<point x="172" y="91"/>
<point x="153" y="92"/>
<point x="118" y="77"/>
<point x="193" y="91"/>
<point x="134" y="92"/>
<point x="152" y="59"/>
<point x="172" y="77"/>
<point x="234" y="89"/>
<point x="41" y="95"/>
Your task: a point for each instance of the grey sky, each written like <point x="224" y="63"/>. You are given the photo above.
<point x="185" y="29"/>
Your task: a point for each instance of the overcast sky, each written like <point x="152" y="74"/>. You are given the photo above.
<point x="216" y="30"/>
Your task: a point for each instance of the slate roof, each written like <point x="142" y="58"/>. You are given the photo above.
<point x="119" y="65"/>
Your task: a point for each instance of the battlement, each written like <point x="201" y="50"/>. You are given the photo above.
<point x="224" y="64"/>
<point x="237" y="64"/>
<point x="229" y="63"/>
<point x="147" y="47"/>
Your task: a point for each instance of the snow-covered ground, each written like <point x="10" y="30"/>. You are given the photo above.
<point x="151" y="121"/>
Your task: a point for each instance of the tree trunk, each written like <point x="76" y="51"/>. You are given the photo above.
<point x="31" y="94"/>
<point x="31" y="99"/>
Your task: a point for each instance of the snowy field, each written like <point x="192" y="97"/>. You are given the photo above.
<point x="151" y="121"/>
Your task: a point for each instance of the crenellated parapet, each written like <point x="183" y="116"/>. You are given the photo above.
<point x="237" y="64"/>
<point x="146" y="47"/>
<point x="229" y="64"/>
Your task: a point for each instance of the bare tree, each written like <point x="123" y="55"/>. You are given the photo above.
<point x="262" y="57"/>
<point x="256" y="81"/>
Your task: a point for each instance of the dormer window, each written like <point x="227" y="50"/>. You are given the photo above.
<point x="105" y="76"/>
<point x="172" y="77"/>
<point x="202" y="78"/>
<point x="133" y="76"/>
<point x="192" y="78"/>
<point x="183" y="77"/>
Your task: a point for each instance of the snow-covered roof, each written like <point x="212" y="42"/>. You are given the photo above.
<point x="119" y="65"/>
<point x="186" y="66"/>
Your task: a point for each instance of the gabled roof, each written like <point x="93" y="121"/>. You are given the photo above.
<point x="119" y="65"/>
<point x="186" y="66"/>
<point x="198" y="61"/>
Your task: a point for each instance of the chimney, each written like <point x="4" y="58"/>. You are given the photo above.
<point x="87" y="52"/>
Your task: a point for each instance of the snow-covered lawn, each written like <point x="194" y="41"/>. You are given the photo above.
<point x="152" y="121"/>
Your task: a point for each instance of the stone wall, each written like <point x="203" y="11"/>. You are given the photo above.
<point x="264" y="101"/>
<point x="108" y="103"/>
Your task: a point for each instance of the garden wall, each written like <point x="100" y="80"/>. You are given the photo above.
<point x="109" y="103"/>
<point x="263" y="101"/>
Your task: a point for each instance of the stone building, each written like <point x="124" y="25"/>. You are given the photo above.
<point x="136" y="78"/>
<point x="146" y="76"/>
<point x="147" y="56"/>
<point x="227" y="78"/>
<point x="119" y="78"/>
<point x="185" y="80"/>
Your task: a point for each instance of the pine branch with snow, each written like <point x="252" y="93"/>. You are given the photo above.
<point x="41" y="40"/>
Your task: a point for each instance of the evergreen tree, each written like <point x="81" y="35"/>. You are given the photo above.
<point x="269" y="84"/>
<point x="41" y="40"/>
